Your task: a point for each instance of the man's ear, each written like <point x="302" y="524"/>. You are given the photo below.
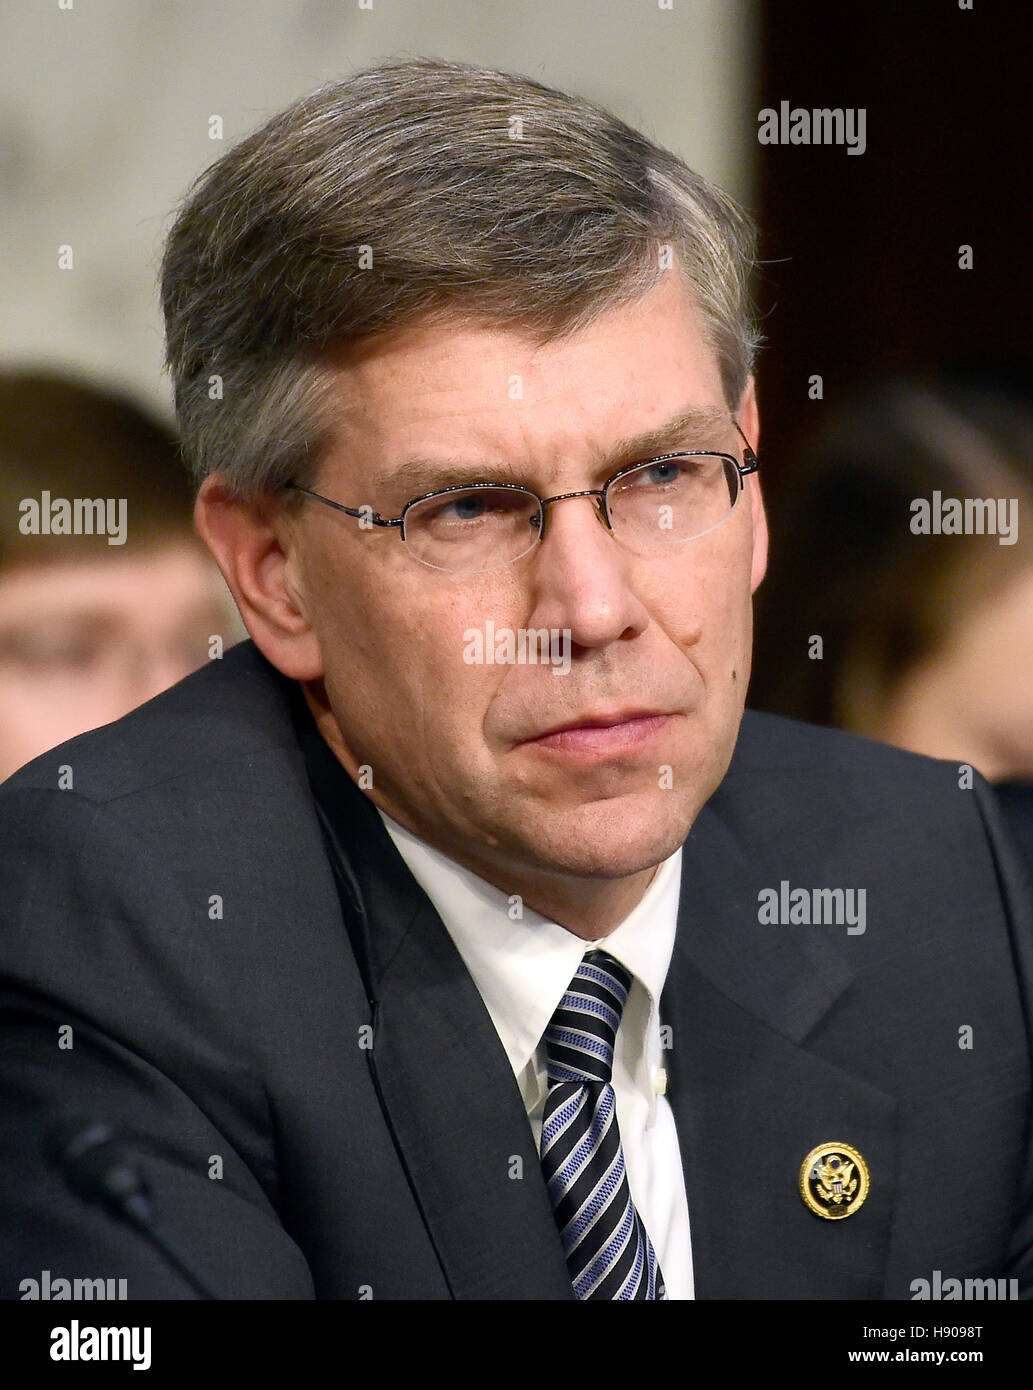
<point x="749" y="423"/>
<point x="256" y="547"/>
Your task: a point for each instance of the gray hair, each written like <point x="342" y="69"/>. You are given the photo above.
<point x="415" y="190"/>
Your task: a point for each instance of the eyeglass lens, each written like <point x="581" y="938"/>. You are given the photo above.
<point x="663" y="502"/>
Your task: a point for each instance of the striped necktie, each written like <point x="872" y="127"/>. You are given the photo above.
<point x="609" y="1253"/>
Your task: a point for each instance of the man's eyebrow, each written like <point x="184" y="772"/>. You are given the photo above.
<point x="694" y="425"/>
<point x="414" y="477"/>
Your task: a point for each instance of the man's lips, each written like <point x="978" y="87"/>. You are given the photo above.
<point x="602" y="721"/>
<point x="618" y="732"/>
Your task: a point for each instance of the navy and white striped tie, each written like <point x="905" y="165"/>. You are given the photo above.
<point x="609" y="1253"/>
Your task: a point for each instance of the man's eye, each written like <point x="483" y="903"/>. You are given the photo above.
<point x="469" y="508"/>
<point x="68" y="654"/>
<point x="45" y="651"/>
<point x="665" y="471"/>
<point x="480" y="504"/>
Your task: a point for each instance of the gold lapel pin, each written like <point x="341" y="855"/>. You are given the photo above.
<point x="834" y="1181"/>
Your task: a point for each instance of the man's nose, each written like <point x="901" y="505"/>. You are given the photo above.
<point x="582" y="576"/>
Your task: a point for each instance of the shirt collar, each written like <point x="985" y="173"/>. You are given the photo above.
<point x="522" y="963"/>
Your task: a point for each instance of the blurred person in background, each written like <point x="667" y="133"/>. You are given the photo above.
<point x="872" y="622"/>
<point x="107" y="596"/>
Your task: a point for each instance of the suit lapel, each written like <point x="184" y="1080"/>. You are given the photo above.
<point x="460" y="1124"/>
<point x="443" y="1077"/>
<point x="750" y="1101"/>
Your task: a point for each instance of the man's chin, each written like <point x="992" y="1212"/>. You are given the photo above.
<point x="609" y="839"/>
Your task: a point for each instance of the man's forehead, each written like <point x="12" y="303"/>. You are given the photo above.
<point x="637" y="381"/>
<point x="690" y="427"/>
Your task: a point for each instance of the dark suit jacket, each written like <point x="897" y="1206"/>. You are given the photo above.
<point x="179" y="908"/>
<point x="1016" y="802"/>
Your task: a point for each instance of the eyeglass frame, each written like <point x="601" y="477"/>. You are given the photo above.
<point x="749" y="465"/>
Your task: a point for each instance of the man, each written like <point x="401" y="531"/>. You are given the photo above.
<point x="420" y="955"/>
<point x="106" y="595"/>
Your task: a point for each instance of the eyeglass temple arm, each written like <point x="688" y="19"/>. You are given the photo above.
<point x="750" y="462"/>
<point x="369" y="515"/>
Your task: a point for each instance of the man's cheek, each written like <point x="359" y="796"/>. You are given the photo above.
<point x="438" y="690"/>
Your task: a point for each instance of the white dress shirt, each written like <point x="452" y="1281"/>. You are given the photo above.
<point x="522" y="969"/>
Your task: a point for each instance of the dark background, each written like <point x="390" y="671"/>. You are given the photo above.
<point x="862" y="250"/>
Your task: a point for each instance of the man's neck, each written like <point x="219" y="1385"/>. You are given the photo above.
<point x="588" y="908"/>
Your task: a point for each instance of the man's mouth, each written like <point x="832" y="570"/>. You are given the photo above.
<point x="604" y="734"/>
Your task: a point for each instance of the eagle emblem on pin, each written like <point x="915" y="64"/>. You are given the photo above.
<point x="834" y="1180"/>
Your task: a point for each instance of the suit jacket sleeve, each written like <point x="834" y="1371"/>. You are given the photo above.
<point x="1019" y="912"/>
<point x="101" y="949"/>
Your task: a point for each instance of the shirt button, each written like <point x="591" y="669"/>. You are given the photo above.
<point x="660" y="1081"/>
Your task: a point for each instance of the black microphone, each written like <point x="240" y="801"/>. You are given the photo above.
<point x="98" y="1167"/>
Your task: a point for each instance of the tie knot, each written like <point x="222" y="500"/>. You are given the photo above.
<point x="580" y="1037"/>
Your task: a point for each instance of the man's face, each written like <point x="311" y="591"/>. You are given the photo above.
<point x="660" y="643"/>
